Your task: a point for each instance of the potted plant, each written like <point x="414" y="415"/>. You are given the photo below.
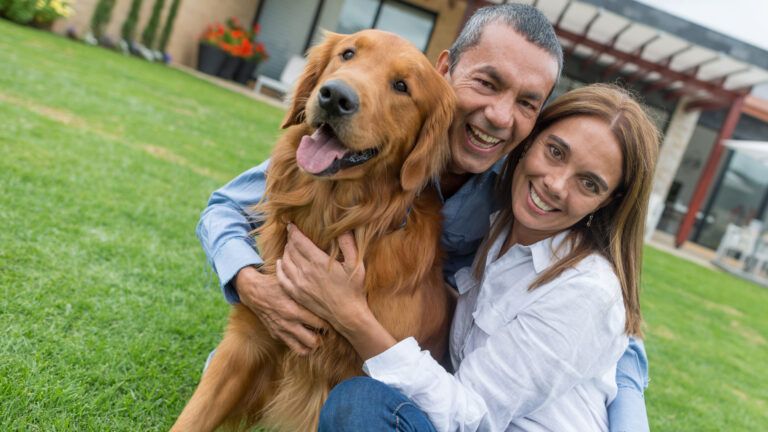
<point x="251" y="58"/>
<point x="230" y="51"/>
<point x="210" y="56"/>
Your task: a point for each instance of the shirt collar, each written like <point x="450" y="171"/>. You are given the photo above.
<point x="475" y="180"/>
<point x="545" y="252"/>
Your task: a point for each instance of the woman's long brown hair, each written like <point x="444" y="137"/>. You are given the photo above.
<point x="617" y="229"/>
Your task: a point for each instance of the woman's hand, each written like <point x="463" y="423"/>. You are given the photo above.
<point x="335" y="293"/>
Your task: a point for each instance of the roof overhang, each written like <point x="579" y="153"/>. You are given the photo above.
<point x="650" y="59"/>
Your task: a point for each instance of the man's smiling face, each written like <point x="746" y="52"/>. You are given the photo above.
<point x="501" y="84"/>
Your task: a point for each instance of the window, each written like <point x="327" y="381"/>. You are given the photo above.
<point x="349" y="16"/>
<point x="409" y="22"/>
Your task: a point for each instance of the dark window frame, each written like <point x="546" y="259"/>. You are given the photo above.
<point x="321" y="5"/>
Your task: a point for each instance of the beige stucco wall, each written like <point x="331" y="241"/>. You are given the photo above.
<point x="191" y="19"/>
<point x="194" y="15"/>
<point x="449" y="18"/>
<point x="80" y="21"/>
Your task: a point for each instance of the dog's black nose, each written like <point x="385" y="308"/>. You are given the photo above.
<point x="338" y="99"/>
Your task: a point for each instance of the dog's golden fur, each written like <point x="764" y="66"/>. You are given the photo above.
<point x="386" y="202"/>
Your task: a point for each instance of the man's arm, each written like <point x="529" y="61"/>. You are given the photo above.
<point x="223" y="231"/>
<point x="627" y="412"/>
<point x="225" y="225"/>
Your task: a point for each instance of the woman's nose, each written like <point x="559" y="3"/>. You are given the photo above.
<point x="555" y="184"/>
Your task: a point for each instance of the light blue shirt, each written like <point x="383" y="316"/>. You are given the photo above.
<point x="225" y="225"/>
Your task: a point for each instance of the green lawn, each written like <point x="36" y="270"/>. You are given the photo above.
<point x="106" y="304"/>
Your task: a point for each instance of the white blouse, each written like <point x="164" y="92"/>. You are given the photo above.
<point x="541" y="360"/>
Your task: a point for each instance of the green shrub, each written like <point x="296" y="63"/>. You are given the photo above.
<point x="20" y="11"/>
<point x="101" y="16"/>
<point x="36" y="12"/>
<point x="168" y="25"/>
<point x="129" y="26"/>
<point x="150" y="31"/>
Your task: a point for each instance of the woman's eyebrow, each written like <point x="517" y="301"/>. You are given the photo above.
<point x="562" y="142"/>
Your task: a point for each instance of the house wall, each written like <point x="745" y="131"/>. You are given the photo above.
<point x="195" y="15"/>
<point x="192" y="18"/>
<point x="450" y="17"/>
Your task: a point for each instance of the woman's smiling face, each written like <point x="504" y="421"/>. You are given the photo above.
<point x="570" y="170"/>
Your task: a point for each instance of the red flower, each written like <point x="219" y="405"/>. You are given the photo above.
<point x="235" y="39"/>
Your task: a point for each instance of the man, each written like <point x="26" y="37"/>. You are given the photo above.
<point x="503" y="67"/>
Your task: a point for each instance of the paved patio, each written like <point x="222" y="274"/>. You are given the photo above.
<point x="233" y="86"/>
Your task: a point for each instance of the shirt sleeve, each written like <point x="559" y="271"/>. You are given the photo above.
<point x="627" y="412"/>
<point x="568" y="336"/>
<point x="225" y="225"/>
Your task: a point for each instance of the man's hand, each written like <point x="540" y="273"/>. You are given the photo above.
<point x="334" y="292"/>
<point x="285" y="319"/>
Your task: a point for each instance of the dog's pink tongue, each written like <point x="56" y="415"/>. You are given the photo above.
<point x="317" y="152"/>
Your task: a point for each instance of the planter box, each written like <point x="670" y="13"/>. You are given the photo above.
<point x="246" y="71"/>
<point x="210" y="58"/>
<point x="229" y="67"/>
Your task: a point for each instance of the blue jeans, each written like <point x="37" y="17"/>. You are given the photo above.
<point x="364" y="404"/>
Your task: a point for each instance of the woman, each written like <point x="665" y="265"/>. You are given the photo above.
<point x="544" y="315"/>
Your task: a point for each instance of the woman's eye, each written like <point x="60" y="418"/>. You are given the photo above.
<point x="590" y="185"/>
<point x="348" y="54"/>
<point x="400" y="86"/>
<point x="555" y="152"/>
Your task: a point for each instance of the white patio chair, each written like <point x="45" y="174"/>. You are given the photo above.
<point x="288" y="77"/>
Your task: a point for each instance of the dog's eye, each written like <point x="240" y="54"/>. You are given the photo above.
<point x="400" y="86"/>
<point x="348" y="54"/>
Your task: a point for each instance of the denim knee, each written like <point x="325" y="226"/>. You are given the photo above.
<point x="365" y="404"/>
<point x="349" y="400"/>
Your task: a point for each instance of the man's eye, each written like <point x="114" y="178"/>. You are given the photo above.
<point x="486" y="84"/>
<point x="348" y="54"/>
<point x="400" y="86"/>
<point x="528" y="105"/>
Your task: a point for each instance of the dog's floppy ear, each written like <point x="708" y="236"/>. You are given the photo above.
<point x="431" y="151"/>
<point x="317" y="59"/>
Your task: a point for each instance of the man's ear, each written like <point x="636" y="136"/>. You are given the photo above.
<point x="443" y="64"/>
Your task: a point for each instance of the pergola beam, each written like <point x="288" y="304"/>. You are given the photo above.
<point x="604" y="47"/>
<point x="672" y="75"/>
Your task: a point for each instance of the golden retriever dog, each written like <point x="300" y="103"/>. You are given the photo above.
<point x="366" y="132"/>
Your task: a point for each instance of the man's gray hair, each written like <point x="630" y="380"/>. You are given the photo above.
<point x="526" y="20"/>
